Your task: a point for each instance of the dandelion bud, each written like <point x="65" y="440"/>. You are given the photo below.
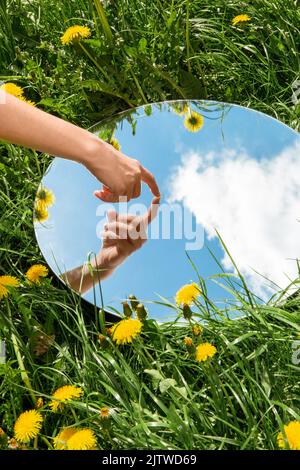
<point x="127" y="310"/>
<point x="103" y="341"/>
<point x="104" y="412"/>
<point x="3" y="437"/>
<point x="12" y="443"/>
<point x="197" y="330"/>
<point x="141" y="312"/>
<point x="187" y="312"/>
<point x="39" y="403"/>
<point x="188" y="341"/>
<point x="133" y="301"/>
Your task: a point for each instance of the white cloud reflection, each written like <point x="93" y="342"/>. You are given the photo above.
<point x="254" y="204"/>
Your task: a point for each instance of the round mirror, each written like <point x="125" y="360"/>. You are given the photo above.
<point x="228" y="217"/>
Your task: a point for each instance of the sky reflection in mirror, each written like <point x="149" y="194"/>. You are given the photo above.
<point x="236" y="174"/>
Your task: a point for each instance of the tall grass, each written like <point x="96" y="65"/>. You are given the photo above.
<point x="159" y="396"/>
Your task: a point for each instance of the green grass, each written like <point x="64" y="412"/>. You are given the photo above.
<point x="160" y="397"/>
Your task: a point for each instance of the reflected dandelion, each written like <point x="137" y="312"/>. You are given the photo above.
<point x="193" y="121"/>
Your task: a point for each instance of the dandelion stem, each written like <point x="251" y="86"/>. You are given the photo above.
<point x="138" y="86"/>
<point x="90" y="56"/>
<point x="24" y="374"/>
<point x="103" y="19"/>
<point x="47" y="442"/>
<point x="187" y="34"/>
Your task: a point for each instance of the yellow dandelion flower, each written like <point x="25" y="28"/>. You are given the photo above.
<point x="9" y="281"/>
<point x="292" y="433"/>
<point x="3" y="292"/>
<point x="40" y="213"/>
<point x="188" y="341"/>
<point x="83" y="439"/>
<point x="45" y="196"/>
<point x="75" y="33"/>
<point x="126" y="330"/>
<point x="39" y="403"/>
<point x="12" y="89"/>
<point x="115" y="143"/>
<point x="31" y="103"/>
<point x="2" y="433"/>
<point x="240" y="19"/>
<point x="6" y="282"/>
<point x="193" y="121"/>
<point x="205" y="351"/>
<point x="28" y="425"/>
<point x="60" y="441"/>
<point x="104" y="412"/>
<point x="63" y="395"/>
<point x="187" y="294"/>
<point x="36" y="272"/>
<point x="180" y="108"/>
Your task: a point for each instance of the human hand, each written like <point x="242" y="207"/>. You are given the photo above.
<point x="123" y="235"/>
<point x="121" y="176"/>
<point x="31" y="127"/>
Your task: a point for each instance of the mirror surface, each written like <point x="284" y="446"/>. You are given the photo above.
<point x="223" y="171"/>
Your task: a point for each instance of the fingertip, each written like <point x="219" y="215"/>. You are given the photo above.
<point x="102" y="196"/>
<point x="156" y="200"/>
<point x="98" y="194"/>
<point x="111" y="215"/>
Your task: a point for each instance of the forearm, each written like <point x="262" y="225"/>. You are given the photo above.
<point x="83" y="278"/>
<point x="28" y="126"/>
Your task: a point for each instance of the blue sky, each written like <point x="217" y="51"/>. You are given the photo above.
<point x="161" y="266"/>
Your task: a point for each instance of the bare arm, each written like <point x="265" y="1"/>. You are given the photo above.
<point x="30" y="127"/>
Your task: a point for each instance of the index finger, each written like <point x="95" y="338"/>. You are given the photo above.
<point x="149" y="179"/>
<point x="152" y="211"/>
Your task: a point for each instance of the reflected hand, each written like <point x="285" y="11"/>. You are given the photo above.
<point x="123" y="235"/>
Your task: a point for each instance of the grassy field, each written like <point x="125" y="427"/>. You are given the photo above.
<point x="151" y="393"/>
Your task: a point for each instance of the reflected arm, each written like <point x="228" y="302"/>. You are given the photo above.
<point x="86" y="276"/>
<point x="122" y="236"/>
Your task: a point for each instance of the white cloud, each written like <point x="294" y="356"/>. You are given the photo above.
<point x="255" y="206"/>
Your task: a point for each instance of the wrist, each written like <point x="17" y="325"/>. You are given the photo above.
<point x="93" y="148"/>
<point x="101" y="266"/>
